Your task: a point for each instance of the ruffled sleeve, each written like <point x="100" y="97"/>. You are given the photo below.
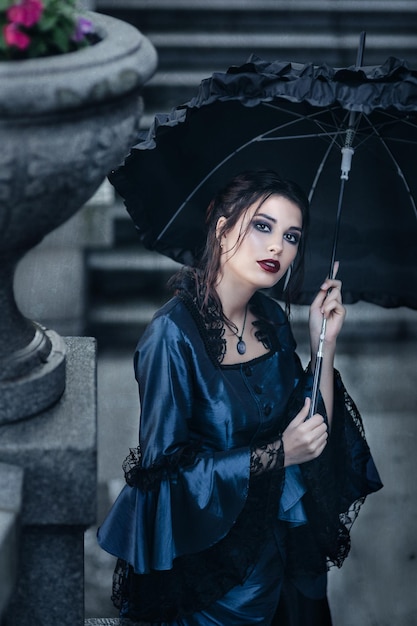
<point x="182" y="495"/>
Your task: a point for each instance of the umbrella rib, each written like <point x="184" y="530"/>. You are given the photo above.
<point x="333" y="136"/>
<point x="398" y="168"/>
<point x="298" y="116"/>
<point x="320" y="170"/>
<point x="376" y="128"/>
<point x="201" y="183"/>
<point x="311" y="117"/>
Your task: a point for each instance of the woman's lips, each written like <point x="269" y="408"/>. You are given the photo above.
<point x="270" y="265"/>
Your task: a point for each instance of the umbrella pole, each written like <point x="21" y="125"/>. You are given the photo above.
<point x="319" y="354"/>
<point x="347" y="154"/>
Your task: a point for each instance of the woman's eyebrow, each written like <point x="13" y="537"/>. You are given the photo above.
<point x="268" y="217"/>
<point x="272" y="219"/>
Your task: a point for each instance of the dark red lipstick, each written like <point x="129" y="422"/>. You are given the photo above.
<point x="270" y="265"/>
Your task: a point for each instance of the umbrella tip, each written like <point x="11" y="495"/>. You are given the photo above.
<point x="361" y="49"/>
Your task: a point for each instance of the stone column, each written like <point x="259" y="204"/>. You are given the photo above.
<point x="57" y="452"/>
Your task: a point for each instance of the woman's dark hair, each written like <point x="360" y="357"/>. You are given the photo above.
<point x="232" y="202"/>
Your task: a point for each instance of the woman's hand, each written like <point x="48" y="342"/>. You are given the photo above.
<point x="304" y="440"/>
<point x="328" y="304"/>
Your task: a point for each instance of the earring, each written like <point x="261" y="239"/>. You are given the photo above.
<point x="288" y="276"/>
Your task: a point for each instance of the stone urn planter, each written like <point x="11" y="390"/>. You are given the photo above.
<point x="65" y="121"/>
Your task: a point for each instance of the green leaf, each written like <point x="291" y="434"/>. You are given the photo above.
<point x="61" y="40"/>
<point x="47" y="22"/>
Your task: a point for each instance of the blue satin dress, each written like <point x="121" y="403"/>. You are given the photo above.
<point x="184" y="503"/>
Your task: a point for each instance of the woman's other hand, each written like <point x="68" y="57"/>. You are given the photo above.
<point x="328" y="304"/>
<point x="304" y="439"/>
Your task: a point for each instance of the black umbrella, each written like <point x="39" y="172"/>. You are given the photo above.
<point x="295" y="119"/>
<point x="309" y="123"/>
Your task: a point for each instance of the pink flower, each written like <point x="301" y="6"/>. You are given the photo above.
<point x="27" y="13"/>
<point x="84" y="27"/>
<point x="15" y="38"/>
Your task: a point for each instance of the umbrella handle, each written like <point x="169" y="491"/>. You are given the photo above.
<point x="317" y="371"/>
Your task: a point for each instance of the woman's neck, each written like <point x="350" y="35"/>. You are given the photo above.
<point x="234" y="300"/>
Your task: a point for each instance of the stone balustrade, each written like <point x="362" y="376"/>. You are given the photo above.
<point x="11" y="485"/>
<point x="56" y="450"/>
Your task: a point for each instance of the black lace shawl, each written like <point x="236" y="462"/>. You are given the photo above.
<point x="198" y="580"/>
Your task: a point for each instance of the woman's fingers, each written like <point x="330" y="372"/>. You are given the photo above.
<point x="303" y="439"/>
<point x="329" y="299"/>
<point x="333" y="300"/>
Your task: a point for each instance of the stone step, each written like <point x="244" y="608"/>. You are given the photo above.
<point x="119" y="324"/>
<point x="218" y="14"/>
<point x="121" y="272"/>
<point x="297" y="29"/>
<point x="196" y="38"/>
<point x="280" y="40"/>
<point x="195" y="50"/>
<point x="131" y="259"/>
<point x="103" y="621"/>
<point x="170" y="87"/>
<point x="137" y="312"/>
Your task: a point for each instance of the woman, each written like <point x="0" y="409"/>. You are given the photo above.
<point x="236" y="503"/>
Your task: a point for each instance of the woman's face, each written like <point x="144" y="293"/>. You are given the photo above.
<point x="259" y="249"/>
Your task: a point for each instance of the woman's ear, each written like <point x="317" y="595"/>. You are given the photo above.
<point x="220" y="223"/>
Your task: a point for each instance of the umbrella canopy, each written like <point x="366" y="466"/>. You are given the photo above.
<point x="295" y="119"/>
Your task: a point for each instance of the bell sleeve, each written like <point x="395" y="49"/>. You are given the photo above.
<point x="182" y="496"/>
<point x="337" y="484"/>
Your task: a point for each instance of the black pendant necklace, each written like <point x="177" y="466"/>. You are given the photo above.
<point x="241" y="345"/>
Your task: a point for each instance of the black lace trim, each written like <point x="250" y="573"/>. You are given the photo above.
<point x="210" y="327"/>
<point x="196" y="581"/>
<point x="267" y="457"/>
<point x="210" y="322"/>
<point x="149" y="478"/>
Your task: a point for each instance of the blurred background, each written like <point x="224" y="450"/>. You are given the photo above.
<point x="91" y="277"/>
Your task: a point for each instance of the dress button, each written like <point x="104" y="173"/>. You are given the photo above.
<point x="247" y="370"/>
<point x="257" y="389"/>
<point x="267" y="409"/>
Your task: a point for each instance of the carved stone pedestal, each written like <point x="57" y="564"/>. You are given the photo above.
<point x="65" y="121"/>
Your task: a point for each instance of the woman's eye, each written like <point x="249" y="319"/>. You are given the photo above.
<point x="293" y="238"/>
<point x="263" y="227"/>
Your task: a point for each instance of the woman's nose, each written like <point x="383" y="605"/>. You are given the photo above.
<point x="275" y="246"/>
